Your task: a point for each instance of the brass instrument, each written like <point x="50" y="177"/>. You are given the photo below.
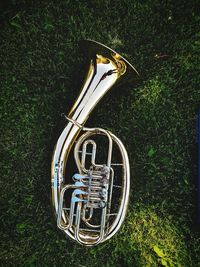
<point x="90" y="204"/>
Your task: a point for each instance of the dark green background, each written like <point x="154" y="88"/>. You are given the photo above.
<point x="40" y="75"/>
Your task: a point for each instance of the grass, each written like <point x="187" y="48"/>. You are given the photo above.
<point x="41" y="70"/>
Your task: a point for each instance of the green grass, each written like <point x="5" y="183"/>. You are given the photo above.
<point x="41" y="70"/>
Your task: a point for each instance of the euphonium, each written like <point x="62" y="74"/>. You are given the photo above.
<point x="90" y="203"/>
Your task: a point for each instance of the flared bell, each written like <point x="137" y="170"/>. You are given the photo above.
<point x="91" y="48"/>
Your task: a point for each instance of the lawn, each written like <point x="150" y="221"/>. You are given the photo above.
<point x="156" y="118"/>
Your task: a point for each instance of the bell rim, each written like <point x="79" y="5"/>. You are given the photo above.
<point x="92" y="46"/>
